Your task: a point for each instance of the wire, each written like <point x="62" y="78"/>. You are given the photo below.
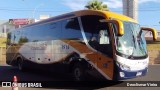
<point x="25" y="9"/>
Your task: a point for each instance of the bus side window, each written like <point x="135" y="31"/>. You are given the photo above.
<point x="8" y="38"/>
<point x="71" y="29"/>
<point x="13" y="37"/>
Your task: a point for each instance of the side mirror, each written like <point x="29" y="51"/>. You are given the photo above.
<point x="119" y="25"/>
<point x="154" y="32"/>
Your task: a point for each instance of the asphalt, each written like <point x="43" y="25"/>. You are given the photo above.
<point x="7" y="72"/>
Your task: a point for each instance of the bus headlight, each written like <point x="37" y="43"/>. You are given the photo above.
<point x="121" y="74"/>
<point x="124" y="67"/>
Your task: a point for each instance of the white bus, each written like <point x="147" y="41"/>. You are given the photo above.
<point x="87" y="42"/>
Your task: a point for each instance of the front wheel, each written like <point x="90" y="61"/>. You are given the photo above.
<point x="20" y="64"/>
<point x="79" y="72"/>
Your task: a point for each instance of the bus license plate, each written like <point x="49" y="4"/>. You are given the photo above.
<point x="139" y="74"/>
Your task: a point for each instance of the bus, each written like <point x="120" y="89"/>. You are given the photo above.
<point x="87" y="42"/>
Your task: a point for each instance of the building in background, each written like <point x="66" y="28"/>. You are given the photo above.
<point x="11" y="24"/>
<point x="130" y="8"/>
<point x="42" y="17"/>
<point x="5" y="27"/>
<point x="20" y="22"/>
<point x="149" y="36"/>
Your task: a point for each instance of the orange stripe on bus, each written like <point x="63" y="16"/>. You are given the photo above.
<point x="100" y="60"/>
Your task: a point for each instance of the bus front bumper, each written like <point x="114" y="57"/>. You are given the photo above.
<point x="131" y="74"/>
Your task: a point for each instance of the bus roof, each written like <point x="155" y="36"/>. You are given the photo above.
<point x="106" y="14"/>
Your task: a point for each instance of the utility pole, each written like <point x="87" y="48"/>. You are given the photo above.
<point x="33" y="13"/>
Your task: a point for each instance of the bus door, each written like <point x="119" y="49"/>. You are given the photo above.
<point x="105" y="55"/>
<point x="97" y="36"/>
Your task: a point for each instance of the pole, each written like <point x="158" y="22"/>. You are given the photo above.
<point x="33" y="14"/>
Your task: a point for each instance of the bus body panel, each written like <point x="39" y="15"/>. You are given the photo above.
<point x="131" y="68"/>
<point x="59" y="41"/>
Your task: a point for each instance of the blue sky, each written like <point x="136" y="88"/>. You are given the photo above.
<point x="149" y="10"/>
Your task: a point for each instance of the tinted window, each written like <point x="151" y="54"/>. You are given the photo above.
<point x="71" y="29"/>
<point x="17" y="35"/>
<point x="13" y="37"/>
<point x="9" y="38"/>
<point x="22" y="37"/>
<point x="97" y="34"/>
<point x="50" y="31"/>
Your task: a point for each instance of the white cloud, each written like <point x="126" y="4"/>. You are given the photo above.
<point x="113" y="3"/>
<point x="79" y="4"/>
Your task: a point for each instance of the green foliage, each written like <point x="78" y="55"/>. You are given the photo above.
<point x="23" y="40"/>
<point x="3" y="42"/>
<point x="97" y="5"/>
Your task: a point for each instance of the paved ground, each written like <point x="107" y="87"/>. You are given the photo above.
<point x="62" y="81"/>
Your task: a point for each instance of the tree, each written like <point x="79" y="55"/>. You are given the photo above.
<point x="23" y="40"/>
<point x="97" y="5"/>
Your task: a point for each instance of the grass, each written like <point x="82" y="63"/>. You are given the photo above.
<point x="153" y="45"/>
<point x="3" y="42"/>
<point x="153" y="48"/>
<point x="150" y="44"/>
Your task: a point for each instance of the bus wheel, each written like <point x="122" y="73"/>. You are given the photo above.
<point x="78" y="72"/>
<point x="20" y="64"/>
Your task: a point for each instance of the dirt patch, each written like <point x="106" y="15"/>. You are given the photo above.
<point x="154" y="56"/>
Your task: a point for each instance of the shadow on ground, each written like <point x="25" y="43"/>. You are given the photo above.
<point x="50" y="80"/>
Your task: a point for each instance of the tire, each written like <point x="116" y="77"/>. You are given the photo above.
<point x="20" y="64"/>
<point x="79" y="72"/>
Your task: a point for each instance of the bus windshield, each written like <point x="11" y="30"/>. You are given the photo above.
<point x="132" y="43"/>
